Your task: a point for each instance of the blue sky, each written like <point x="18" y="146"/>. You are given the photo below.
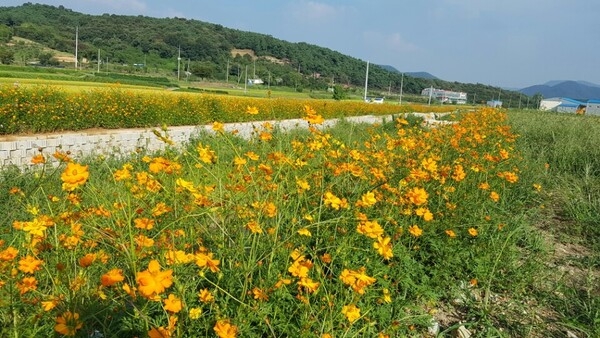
<point x="508" y="43"/>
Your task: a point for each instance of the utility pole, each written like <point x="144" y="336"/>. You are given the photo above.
<point x="227" y="72"/>
<point x="178" y="63"/>
<point x="246" y="80"/>
<point x="401" y="85"/>
<point x="98" y="60"/>
<point x="76" y="45"/>
<point x="430" y="95"/>
<point x="366" y="82"/>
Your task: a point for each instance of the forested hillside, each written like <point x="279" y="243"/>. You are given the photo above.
<point x="155" y="43"/>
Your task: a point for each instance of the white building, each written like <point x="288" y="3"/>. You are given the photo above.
<point x="562" y="105"/>
<point x="593" y="107"/>
<point x="445" y="96"/>
<point x="255" y="81"/>
<point x="494" y="103"/>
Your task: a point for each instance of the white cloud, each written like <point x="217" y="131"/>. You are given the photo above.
<point x="130" y="6"/>
<point x="319" y="11"/>
<point x="393" y="42"/>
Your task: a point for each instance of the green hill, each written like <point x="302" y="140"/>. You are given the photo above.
<point x="208" y="50"/>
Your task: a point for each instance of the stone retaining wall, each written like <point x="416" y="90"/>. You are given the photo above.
<point x="18" y="150"/>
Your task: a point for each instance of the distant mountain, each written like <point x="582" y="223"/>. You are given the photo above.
<point x="418" y="75"/>
<point x="555" y="82"/>
<point x="580" y="90"/>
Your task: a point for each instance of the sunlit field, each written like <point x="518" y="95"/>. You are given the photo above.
<point x="35" y="109"/>
<point x="356" y="230"/>
<point x="352" y="231"/>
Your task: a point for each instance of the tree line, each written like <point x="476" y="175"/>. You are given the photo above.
<point x="205" y="51"/>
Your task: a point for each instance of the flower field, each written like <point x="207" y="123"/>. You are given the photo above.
<point x="36" y="109"/>
<point x="351" y="231"/>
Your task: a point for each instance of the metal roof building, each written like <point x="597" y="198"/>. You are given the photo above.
<point x="593" y="107"/>
<point x="562" y="105"/>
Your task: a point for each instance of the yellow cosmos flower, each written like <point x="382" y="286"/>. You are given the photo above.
<point x="473" y="232"/>
<point x="311" y="116"/>
<point x="195" y="313"/>
<point x="74" y="176"/>
<point x="218" y="127"/>
<point x="304" y="232"/>
<point x="366" y="200"/>
<point x="384" y="247"/>
<point x="251" y="110"/>
<point x="334" y="202"/>
<point x="351" y="312"/>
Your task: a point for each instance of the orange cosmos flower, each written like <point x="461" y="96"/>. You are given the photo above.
<point x="254" y="227"/>
<point x="159" y="332"/>
<point x="417" y="196"/>
<point x="29" y="264"/>
<point x="8" y="254"/>
<point x="371" y="229"/>
<point x="205" y="296"/>
<point x="224" y="329"/>
<point x="358" y="280"/>
<point x="494" y="196"/>
<point x="206" y="260"/>
<point x="144" y="223"/>
<point x="259" y="294"/>
<point x="173" y="304"/>
<point x="27" y="284"/>
<point x="300" y="267"/>
<point x="308" y="284"/>
<point x="450" y="233"/>
<point x="473" y="232"/>
<point x="112" y="277"/>
<point x="87" y="260"/>
<point x="153" y="281"/>
<point x="351" y="312"/>
<point x="415" y="230"/>
<point x="68" y="323"/>
<point x="160" y="209"/>
<point x="73" y="176"/>
<point x="62" y="156"/>
<point x="38" y="159"/>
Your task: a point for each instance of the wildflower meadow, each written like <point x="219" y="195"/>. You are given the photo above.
<point x="355" y="230"/>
